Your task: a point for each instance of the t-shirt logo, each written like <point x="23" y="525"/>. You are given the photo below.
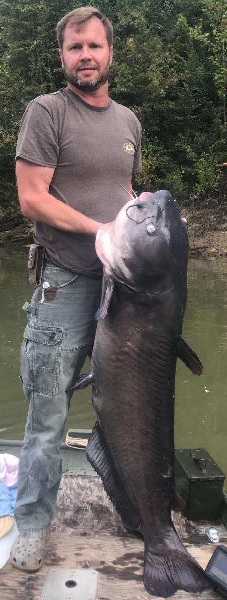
<point x="129" y="148"/>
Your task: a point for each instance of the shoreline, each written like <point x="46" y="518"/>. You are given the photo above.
<point x="207" y="231"/>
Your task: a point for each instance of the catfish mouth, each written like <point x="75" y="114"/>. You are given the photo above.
<point x="141" y="218"/>
<point x="153" y="216"/>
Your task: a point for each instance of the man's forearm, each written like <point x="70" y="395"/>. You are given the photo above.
<point x="46" y="208"/>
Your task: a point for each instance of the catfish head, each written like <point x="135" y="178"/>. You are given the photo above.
<point x="146" y="242"/>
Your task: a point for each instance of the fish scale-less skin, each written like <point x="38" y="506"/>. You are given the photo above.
<point x="134" y="399"/>
<point x="133" y="385"/>
<point x="144" y="253"/>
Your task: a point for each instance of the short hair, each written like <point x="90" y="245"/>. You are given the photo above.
<point x="78" y="17"/>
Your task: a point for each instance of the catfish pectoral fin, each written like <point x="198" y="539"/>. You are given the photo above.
<point x="100" y="458"/>
<point x="108" y="288"/>
<point x="189" y="357"/>
<point x="172" y="571"/>
<point x="82" y="382"/>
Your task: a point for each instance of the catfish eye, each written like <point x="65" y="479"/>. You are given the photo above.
<point x="150" y="229"/>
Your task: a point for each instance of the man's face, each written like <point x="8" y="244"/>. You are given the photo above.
<point x="86" y="55"/>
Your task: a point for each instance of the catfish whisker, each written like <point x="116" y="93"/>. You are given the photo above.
<point x="132" y="195"/>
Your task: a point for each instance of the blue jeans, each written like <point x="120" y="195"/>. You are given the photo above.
<point x="57" y="339"/>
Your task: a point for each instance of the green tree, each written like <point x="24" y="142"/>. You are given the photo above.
<point x="169" y="67"/>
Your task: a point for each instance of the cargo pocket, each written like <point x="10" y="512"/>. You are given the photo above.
<point x="40" y="359"/>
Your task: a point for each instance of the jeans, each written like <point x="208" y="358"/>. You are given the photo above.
<point x="57" y="339"/>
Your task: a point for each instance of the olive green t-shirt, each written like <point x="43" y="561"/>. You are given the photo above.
<point x="94" y="152"/>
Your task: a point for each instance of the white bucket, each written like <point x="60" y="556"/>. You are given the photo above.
<point x="6" y="543"/>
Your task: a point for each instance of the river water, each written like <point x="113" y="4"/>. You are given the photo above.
<point x="201" y="402"/>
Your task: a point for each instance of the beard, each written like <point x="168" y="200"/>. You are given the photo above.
<point x="85" y="85"/>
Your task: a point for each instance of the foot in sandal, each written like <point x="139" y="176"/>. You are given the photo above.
<point x="29" y="549"/>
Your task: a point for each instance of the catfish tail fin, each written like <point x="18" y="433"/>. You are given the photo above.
<point x="166" y="573"/>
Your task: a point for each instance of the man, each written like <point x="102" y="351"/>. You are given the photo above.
<point x="76" y="153"/>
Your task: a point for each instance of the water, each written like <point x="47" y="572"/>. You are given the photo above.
<point x="201" y="402"/>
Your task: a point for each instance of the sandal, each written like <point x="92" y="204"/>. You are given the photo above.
<point x="28" y="551"/>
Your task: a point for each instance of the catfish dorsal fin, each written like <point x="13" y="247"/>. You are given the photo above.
<point x="108" y="288"/>
<point x="189" y="357"/>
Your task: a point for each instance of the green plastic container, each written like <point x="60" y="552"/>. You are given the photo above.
<point x="200" y="482"/>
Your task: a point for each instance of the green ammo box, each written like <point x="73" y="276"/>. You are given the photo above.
<point x="200" y="483"/>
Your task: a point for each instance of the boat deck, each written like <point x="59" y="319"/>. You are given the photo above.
<point x="118" y="561"/>
<point x="87" y="533"/>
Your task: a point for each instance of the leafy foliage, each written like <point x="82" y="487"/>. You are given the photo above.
<point x="169" y="67"/>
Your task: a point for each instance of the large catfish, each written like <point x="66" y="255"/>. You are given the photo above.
<point x="144" y="253"/>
